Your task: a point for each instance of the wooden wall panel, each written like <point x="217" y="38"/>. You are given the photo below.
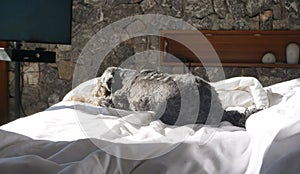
<point x="3" y="89"/>
<point x="234" y="47"/>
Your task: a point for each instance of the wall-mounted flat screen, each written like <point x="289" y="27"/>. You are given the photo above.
<point x="38" y="21"/>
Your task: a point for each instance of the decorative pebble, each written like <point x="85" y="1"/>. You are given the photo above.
<point x="268" y="58"/>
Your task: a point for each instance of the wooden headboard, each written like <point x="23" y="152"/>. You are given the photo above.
<point x="233" y="47"/>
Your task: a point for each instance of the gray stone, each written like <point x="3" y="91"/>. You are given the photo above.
<point x="61" y="88"/>
<point x="11" y="109"/>
<point x="292" y="5"/>
<point x="147" y="4"/>
<point x="266" y="21"/>
<point x="251" y="72"/>
<point x="110" y="60"/>
<point x="53" y="65"/>
<point x="118" y="2"/>
<point x="241" y="24"/>
<point x="11" y="77"/>
<point x="154" y="42"/>
<point x="11" y="84"/>
<point x="65" y="70"/>
<point x="31" y="100"/>
<point x="215" y="22"/>
<point x="267" y="81"/>
<point x="73" y="54"/>
<point x="293" y="73"/>
<point x="201" y="24"/>
<point x="294" y="23"/>
<point x="53" y="99"/>
<point x="31" y="74"/>
<point x="140" y="47"/>
<point x="236" y="8"/>
<point x="247" y="23"/>
<point x="253" y="7"/>
<point x="48" y="74"/>
<point x="254" y="23"/>
<point x="177" y="5"/>
<point x="277" y="11"/>
<point x="295" y="6"/>
<point x="124" y="52"/>
<point x="266" y="4"/>
<point x="146" y="60"/>
<point x="220" y="8"/>
<point x="232" y="72"/>
<point x="165" y="3"/>
<point x="81" y="12"/>
<point x="198" y="9"/>
<point x="281" y="24"/>
<point x="95" y="2"/>
<point x="121" y="11"/>
<point x="227" y="23"/>
<point x="64" y="47"/>
<point x="95" y="16"/>
<point x="79" y="40"/>
<point x="278" y="72"/>
<point x="135" y="27"/>
<point x="176" y="8"/>
<point x="215" y="73"/>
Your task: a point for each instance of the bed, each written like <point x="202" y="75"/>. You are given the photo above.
<point x="76" y="137"/>
<point x="80" y="137"/>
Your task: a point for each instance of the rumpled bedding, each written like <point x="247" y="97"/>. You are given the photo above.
<point x="74" y="137"/>
<point x="241" y="92"/>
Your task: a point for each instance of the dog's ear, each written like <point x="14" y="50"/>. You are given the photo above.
<point x="107" y="77"/>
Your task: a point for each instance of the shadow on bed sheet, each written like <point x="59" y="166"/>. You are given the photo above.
<point x="92" y="110"/>
<point x="82" y="156"/>
<point x="283" y="155"/>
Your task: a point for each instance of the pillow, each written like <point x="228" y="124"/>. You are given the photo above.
<point x="242" y="92"/>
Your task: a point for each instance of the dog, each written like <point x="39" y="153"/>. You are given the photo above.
<point x="176" y="99"/>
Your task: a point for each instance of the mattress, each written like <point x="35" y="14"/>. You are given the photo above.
<point x="75" y="137"/>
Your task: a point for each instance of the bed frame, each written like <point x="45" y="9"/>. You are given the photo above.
<point x="234" y="47"/>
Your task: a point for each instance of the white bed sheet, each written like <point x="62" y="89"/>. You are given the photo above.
<point x="135" y="135"/>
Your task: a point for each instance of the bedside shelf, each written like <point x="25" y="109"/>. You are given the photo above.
<point x="249" y="65"/>
<point x="239" y="47"/>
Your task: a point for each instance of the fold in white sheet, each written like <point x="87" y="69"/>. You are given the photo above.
<point x="244" y="92"/>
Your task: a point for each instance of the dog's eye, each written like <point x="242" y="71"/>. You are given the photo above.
<point x="108" y="83"/>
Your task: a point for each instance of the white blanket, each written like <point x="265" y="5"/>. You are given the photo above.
<point x="246" y="92"/>
<point x="124" y="139"/>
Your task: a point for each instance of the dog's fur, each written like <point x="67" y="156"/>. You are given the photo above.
<point x="176" y="99"/>
<point x="99" y="96"/>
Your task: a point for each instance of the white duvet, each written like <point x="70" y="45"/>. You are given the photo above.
<point x="82" y="138"/>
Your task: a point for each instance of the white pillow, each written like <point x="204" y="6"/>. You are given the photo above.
<point x="242" y="92"/>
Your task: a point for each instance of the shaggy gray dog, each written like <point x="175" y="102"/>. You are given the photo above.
<point x="176" y="99"/>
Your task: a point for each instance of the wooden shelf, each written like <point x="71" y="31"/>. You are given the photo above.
<point x="257" y="65"/>
<point x="235" y="48"/>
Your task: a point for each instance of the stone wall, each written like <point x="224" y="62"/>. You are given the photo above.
<point x="46" y="84"/>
